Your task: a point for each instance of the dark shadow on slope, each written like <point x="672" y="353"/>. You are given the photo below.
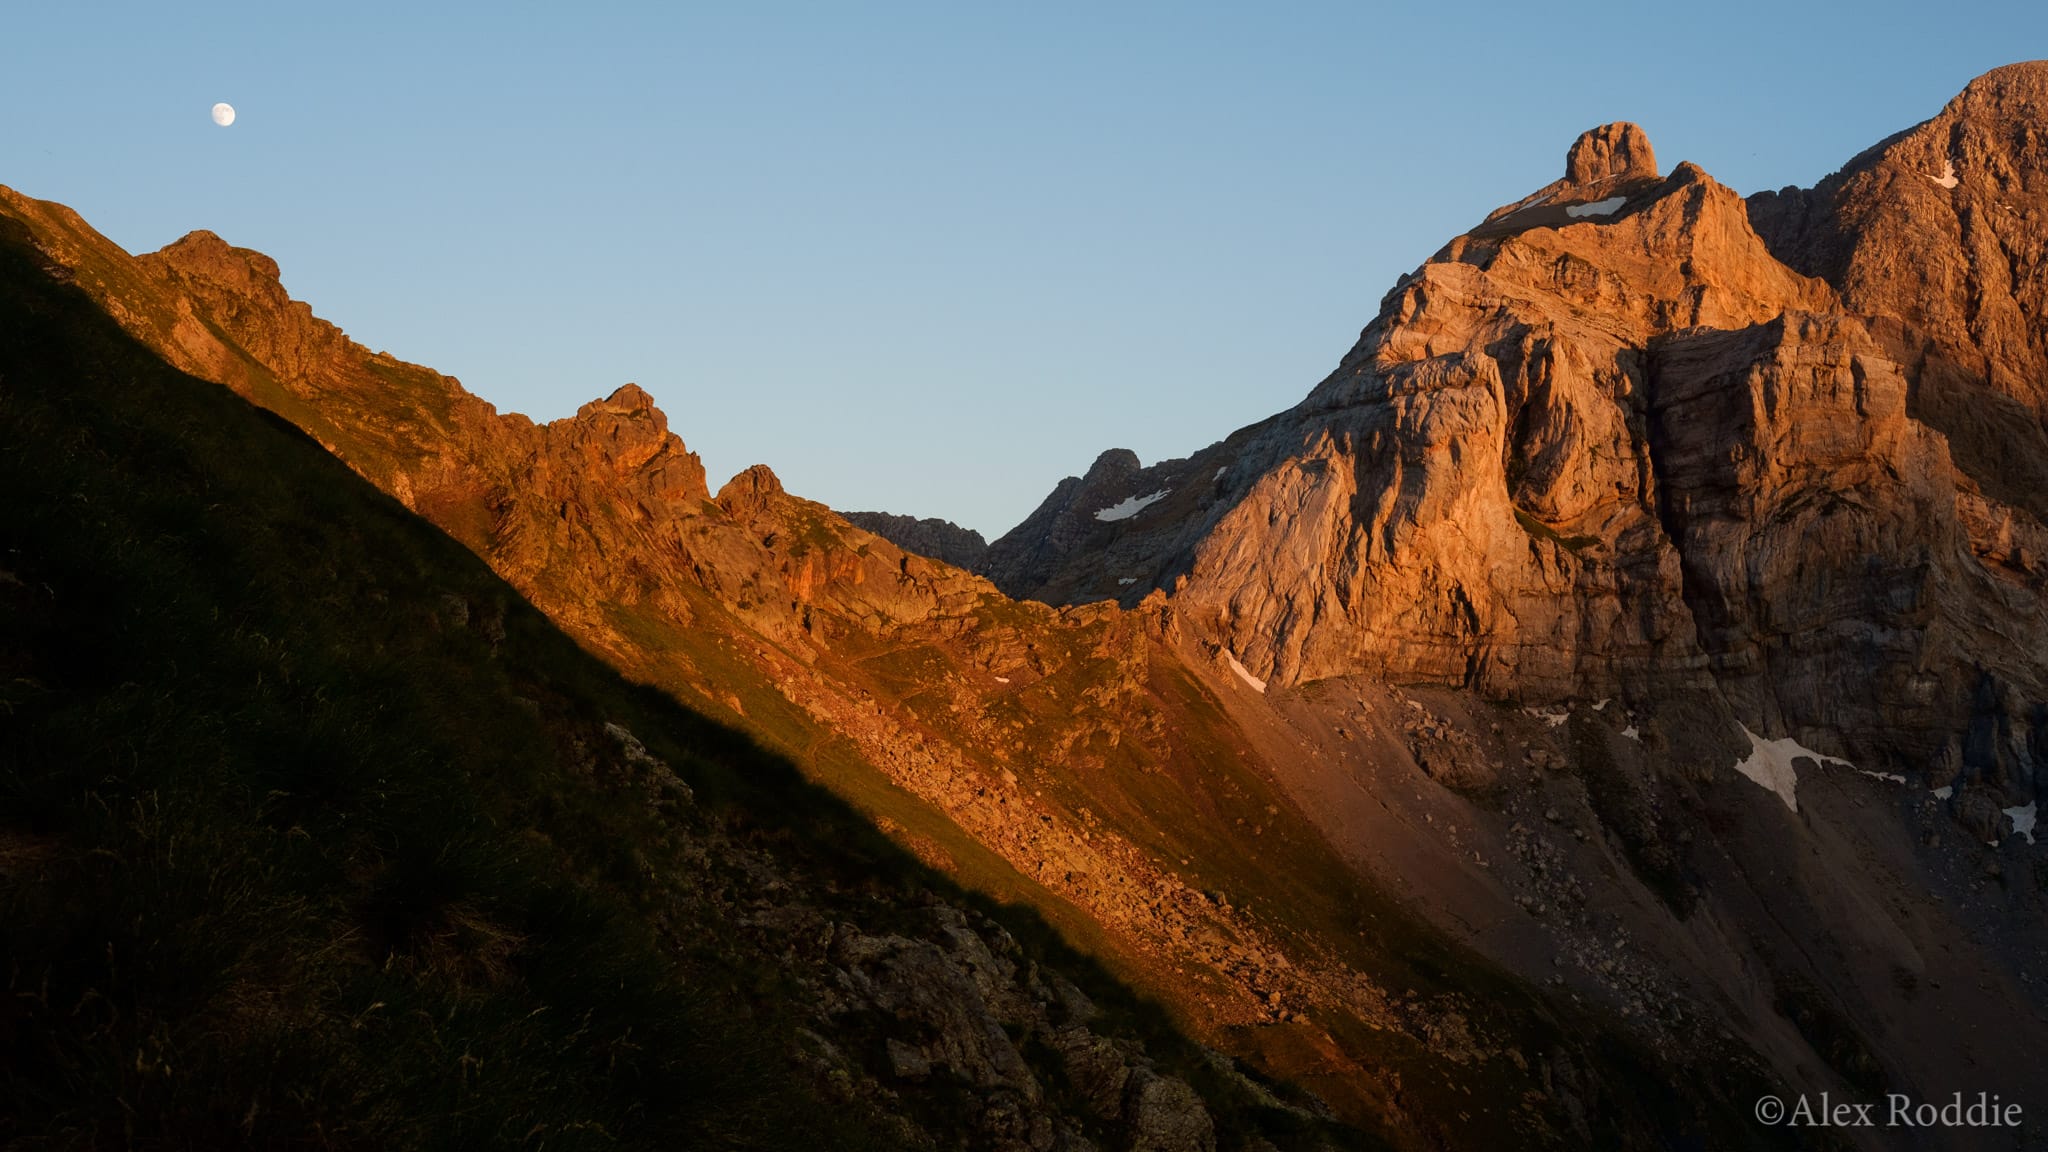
<point x="302" y="842"/>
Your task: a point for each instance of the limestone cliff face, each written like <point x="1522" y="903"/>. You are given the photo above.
<point x="1831" y="565"/>
<point x="1471" y="497"/>
<point x="1943" y="228"/>
<point x="1609" y="443"/>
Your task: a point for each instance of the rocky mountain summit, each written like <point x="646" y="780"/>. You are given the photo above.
<point x="1614" y="691"/>
<point x="1635" y="436"/>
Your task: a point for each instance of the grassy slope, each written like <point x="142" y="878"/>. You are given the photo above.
<point x="288" y="858"/>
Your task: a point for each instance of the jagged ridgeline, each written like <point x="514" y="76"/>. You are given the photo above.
<point x="1613" y="693"/>
<point x="314" y="833"/>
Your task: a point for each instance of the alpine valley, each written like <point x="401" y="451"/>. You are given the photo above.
<point x="1616" y="693"/>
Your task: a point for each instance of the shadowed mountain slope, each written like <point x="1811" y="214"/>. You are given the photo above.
<point x="315" y="833"/>
<point x="938" y="539"/>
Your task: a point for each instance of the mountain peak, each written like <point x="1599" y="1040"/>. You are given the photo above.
<point x="204" y="255"/>
<point x="754" y="486"/>
<point x="1603" y="170"/>
<point x="1115" y="463"/>
<point x="630" y="436"/>
<point x="2026" y="77"/>
<point x="1611" y="151"/>
<point x="626" y="400"/>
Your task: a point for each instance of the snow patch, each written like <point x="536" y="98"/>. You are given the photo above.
<point x="2023" y="821"/>
<point x="1128" y="580"/>
<point x="1944" y="792"/>
<point x="1220" y="472"/>
<point x="1550" y="716"/>
<point x="1891" y="776"/>
<point x="1632" y="734"/>
<point x="1131" y="506"/>
<point x="1002" y="679"/>
<point x="1604" y="701"/>
<point x="1947" y="179"/>
<point x="1257" y="684"/>
<point x="1769" y="763"/>
<point x="1607" y="207"/>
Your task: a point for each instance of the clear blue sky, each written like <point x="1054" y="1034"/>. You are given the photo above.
<point x="924" y="257"/>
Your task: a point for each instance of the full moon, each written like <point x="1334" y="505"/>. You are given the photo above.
<point x="223" y="114"/>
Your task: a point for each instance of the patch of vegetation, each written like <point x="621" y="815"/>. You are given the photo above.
<point x="810" y="530"/>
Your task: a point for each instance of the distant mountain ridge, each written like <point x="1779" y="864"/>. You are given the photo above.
<point x="938" y="539"/>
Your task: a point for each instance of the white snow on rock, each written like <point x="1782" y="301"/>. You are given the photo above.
<point x="1128" y="580"/>
<point x="1947" y="179"/>
<point x="1257" y="684"/>
<point x="1891" y="776"/>
<point x="1131" y="506"/>
<point x="1632" y="734"/>
<point x="1602" y="703"/>
<point x="2023" y="821"/>
<point x="1769" y="763"/>
<point x="1944" y="792"/>
<point x="1220" y="472"/>
<point x="1550" y="716"/>
<point x="1607" y="207"/>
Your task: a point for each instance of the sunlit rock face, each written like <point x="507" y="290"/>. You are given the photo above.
<point x="1617" y="441"/>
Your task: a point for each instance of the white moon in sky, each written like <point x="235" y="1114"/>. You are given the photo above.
<point x="223" y="114"/>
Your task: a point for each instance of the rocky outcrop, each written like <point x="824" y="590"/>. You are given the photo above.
<point x="938" y="539"/>
<point x="960" y="1002"/>
<point x="1619" y="151"/>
